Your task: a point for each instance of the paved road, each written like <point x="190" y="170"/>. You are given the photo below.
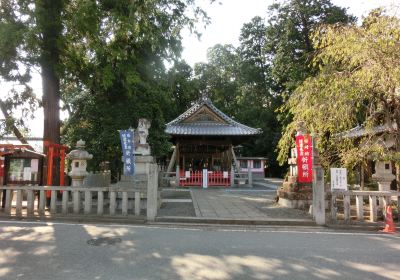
<point x="74" y="251"/>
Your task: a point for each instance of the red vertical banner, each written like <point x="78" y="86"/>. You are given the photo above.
<point x="304" y="158"/>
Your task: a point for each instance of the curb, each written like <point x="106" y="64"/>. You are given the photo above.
<point x="216" y="221"/>
<point x="77" y="219"/>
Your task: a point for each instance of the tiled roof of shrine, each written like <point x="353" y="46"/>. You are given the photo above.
<point x="360" y="130"/>
<point x="203" y="118"/>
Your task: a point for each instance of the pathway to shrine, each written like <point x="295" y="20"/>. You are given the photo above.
<point x="242" y="204"/>
<point x="245" y="203"/>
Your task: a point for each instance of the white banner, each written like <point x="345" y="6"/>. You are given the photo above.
<point x="205" y="178"/>
<point x="187" y="174"/>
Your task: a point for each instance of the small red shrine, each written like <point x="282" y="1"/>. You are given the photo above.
<point x="204" y="138"/>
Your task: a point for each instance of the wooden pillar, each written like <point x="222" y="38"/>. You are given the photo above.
<point x="177" y="174"/>
<point x="50" y="170"/>
<point x="172" y="161"/>
<point x="232" y="177"/>
<point x="178" y="154"/>
<point x="50" y="166"/>
<point x="62" y="166"/>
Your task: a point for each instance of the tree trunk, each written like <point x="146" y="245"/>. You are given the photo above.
<point x="51" y="105"/>
<point x="48" y="15"/>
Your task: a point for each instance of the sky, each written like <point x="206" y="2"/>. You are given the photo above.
<point x="227" y="18"/>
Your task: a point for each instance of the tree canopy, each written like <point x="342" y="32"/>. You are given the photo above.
<point x="357" y="82"/>
<point x="103" y="59"/>
<point x="252" y="81"/>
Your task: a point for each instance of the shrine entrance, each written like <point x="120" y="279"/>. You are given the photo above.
<point x="204" y="138"/>
<point x="197" y="156"/>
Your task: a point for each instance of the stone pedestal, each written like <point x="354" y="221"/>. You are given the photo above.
<point x="293" y="194"/>
<point x="143" y="164"/>
<point x="79" y="159"/>
<point x="383" y="176"/>
<point x="142" y="149"/>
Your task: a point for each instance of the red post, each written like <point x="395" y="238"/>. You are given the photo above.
<point x="62" y="166"/>
<point x="50" y="170"/>
<point x="50" y="166"/>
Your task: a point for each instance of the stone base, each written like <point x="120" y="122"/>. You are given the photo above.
<point x="295" y="203"/>
<point x="142" y="163"/>
<point x="300" y="199"/>
<point x="295" y="187"/>
<point x="143" y="149"/>
<point x="298" y="196"/>
<point x="292" y="195"/>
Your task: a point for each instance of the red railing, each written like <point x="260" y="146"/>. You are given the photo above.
<point x="195" y="178"/>
<point x="216" y="178"/>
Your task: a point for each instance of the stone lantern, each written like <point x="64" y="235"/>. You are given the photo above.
<point x="383" y="175"/>
<point x="79" y="159"/>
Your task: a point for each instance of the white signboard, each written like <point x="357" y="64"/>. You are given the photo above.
<point x="34" y="165"/>
<point x="27" y="174"/>
<point x="225" y="174"/>
<point x="187" y="174"/>
<point x="339" y="179"/>
<point x="205" y="178"/>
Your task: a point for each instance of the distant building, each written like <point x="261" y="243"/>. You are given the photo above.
<point x="257" y="165"/>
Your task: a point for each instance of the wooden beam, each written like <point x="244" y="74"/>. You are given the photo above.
<point x="172" y="161"/>
<point x="235" y="159"/>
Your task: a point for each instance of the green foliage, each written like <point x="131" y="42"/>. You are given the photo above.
<point x="357" y="83"/>
<point x="115" y="71"/>
<point x="16" y="42"/>
<point x="251" y="82"/>
<point x="108" y="59"/>
<point x="288" y="41"/>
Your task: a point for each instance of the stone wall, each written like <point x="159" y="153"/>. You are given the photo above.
<point x="101" y="180"/>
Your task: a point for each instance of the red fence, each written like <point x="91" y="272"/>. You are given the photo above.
<point x="195" y="178"/>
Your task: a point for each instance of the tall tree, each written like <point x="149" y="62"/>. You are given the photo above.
<point x="358" y="82"/>
<point x="38" y="29"/>
<point x="289" y="44"/>
<point x="115" y="73"/>
<point x="48" y="17"/>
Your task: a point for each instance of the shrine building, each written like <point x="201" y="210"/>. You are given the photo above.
<point x="204" y="138"/>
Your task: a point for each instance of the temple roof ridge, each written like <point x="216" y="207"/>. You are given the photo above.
<point x="207" y="127"/>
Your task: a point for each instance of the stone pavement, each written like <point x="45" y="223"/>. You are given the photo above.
<point x="242" y="204"/>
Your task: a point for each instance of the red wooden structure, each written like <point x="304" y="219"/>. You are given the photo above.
<point x="9" y="149"/>
<point x="215" y="179"/>
<point x="54" y="152"/>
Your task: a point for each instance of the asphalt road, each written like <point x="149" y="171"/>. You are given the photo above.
<point x="76" y="251"/>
